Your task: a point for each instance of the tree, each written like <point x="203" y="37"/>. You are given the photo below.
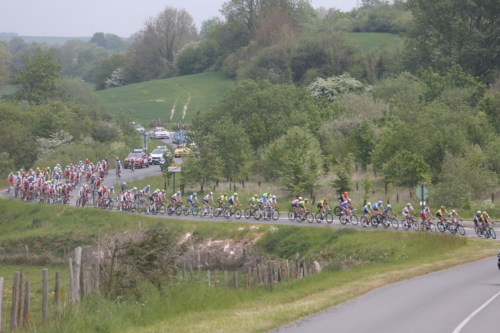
<point x="203" y="166"/>
<point x="343" y="171"/>
<point x="159" y="40"/>
<point x="36" y="83"/>
<point x="295" y="160"/>
<point x="460" y="31"/>
<point x="207" y="26"/>
<point x="367" y="185"/>
<point x="332" y="87"/>
<point x="406" y="169"/>
<point x="362" y="138"/>
<point x="4" y="64"/>
<point x="99" y="39"/>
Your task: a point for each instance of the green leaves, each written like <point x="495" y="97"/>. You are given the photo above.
<point x="406" y="169"/>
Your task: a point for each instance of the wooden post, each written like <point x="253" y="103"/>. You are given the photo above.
<point x="184" y="270"/>
<point x="27" y="308"/>
<point x="71" y="281"/>
<point x="191" y="270"/>
<point x="270" y="272"/>
<point x="88" y="271"/>
<point x="276" y="272"/>
<point x="1" y="303"/>
<point x="287" y="269"/>
<point x="304" y="263"/>
<point x="235" y="277"/>
<point x="225" y="278"/>
<point x="292" y="271"/>
<point x="246" y="281"/>
<point x="15" y="298"/>
<point x="82" y="282"/>
<point x="259" y="271"/>
<point x="76" y="277"/>
<point x="20" y="302"/>
<point x="255" y="277"/>
<point x="45" y="295"/>
<point x="264" y="276"/>
<point x="216" y="278"/>
<point x="208" y="277"/>
<point x="57" y="291"/>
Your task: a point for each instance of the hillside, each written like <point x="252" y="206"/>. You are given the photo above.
<point x="368" y="41"/>
<point x="44" y="39"/>
<point x="185" y="95"/>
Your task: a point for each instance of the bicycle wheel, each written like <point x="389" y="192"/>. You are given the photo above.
<point x="486" y="233"/>
<point x="186" y="211"/>
<point x="329" y="217"/>
<point x="195" y="211"/>
<point x="441" y="226"/>
<point x="394" y="223"/>
<point x="298" y="217"/>
<point x="317" y="217"/>
<point x="178" y="210"/>
<point x="374" y="222"/>
<point x="257" y="215"/>
<point x="385" y="223"/>
<point x="479" y="232"/>
<point x="276" y="215"/>
<point x="405" y="224"/>
<point x="342" y="219"/>
<point x="493" y="233"/>
<point x="337" y="211"/>
<point x="237" y="213"/>
<point x="309" y="217"/>
<point x="414" y="225"/>
<point x="461" y="229"/>
<point x="291" y="215"/>
<point x="453" y="229"/>
<point x="354" y="219"/>
<point x="247" y="213"/>
<point x="162" y="209"/>
<point x="111" y="204"/>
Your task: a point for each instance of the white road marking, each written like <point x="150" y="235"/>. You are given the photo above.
<point x="466" y="320"/>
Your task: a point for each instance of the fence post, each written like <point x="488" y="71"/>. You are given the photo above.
<point x="88" y="271"/>
<point x="225" y="278"/>
<point x="82" y="282"/>
<point x="235" y="277"/>
<point x="20" y="302"/>
<point x="292" y="271"/>
<point x="254" y="277"/>
<point x="270" y="272"/>
<point x="71" y="281"/>
<point x="259" y="272"/>
<point x="27" y="307"/>
<point x="15" y="298"/>
<point x="208" y="277"/>
<point x="57" y="292"/>
<point x="45" y="295"/>
<point x="216" y="278"/>
<point x="184" y="269"/>
<point x="76" y="277"/>
<point x="1" y="302"/>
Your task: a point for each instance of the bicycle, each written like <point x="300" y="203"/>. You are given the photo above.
<point x="387" y="218"/>
<point x="191" y="210"/>
<point x="428" y="225"/>
<point x="489" y="232"/>
<point x="237" y="212"/>
<point x="118" y="174"/>
<point x="306" y="215"/>
<point x="344" y="219"/>
<point x="177" y="209"/>
<point x="445" y="225"/>
<point x="327" y="216"/>
<point x="377" y="219"/>
<point x="208" y="212"/>
<point x="410" y="224"/>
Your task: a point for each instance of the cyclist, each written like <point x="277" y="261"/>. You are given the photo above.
<point x="209" y="196"/>
<point x="343" y="197"/>
<point x="441" y="213"/>
<point x="274" y="202"/>
<point x="454" y="216"/>
<point x="406" y="212"/>
<point x="366" y="210"/>
<point x="424" y="214"/>
<point x="478" y="219"/>
<point x="176" y="198"/>
<point x="222" y="200"/>
<point x="322" y="206"/>
<point x="345" y="207"/>
<point x="262" y="202"/>
<point x="486" y="217"/>
<point x="123" y="188"/>
<point x="377" y="208"/>
<point x="146" y="190"/>
<point x="191" y="199"/>
<point x="303" y="205"/>
<point x="233" y="201"/>
<point x="10" y="181"/>
<point x="295" y="204"/>
<point x="252" y="202"/>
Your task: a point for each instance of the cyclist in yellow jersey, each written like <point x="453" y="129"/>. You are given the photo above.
<point x="303" y="205"/>
<point x="222" y="199"/>
<point x="454" y="216"/>
<point x="253" y="201"/>
<point x="486" y="218"/>
<point x="441" y="213"/>
<point x="322" y="206"/>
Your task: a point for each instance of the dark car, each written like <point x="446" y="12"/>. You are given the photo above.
<point x="138" y="157"/>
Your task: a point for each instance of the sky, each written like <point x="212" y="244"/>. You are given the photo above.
<point x="69" y="18"/>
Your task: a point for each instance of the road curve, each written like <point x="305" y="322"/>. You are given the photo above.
<point x="437" y="302"/>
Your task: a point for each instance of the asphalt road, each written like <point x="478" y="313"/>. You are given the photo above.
<point x="454" y="300"/>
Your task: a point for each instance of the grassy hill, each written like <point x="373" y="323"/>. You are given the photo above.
<point x="185" y="95"/>
<point x="369" y="41"/>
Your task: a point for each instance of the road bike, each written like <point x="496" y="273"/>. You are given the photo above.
<point x="303" y="216"/>
<point x="193" y="210"/>
<point x="388" y="218"/>
<point x="445" y="225"/>
<point x="411" y="223"/>
<point x="428" y="225"/>
<point x="327" y="216"/>
<point x="378" y="219"/>
<point x="236" y="212"/>
<point x="351" y="218"/>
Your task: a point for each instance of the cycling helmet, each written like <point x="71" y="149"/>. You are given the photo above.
<point x="346" y="192"/>
<point x="478" y="212"/>
<point x="211" y="193"/>
<point x="195" y="194"/>
<point x="178" y="192"/>
<point x="256" y="195"/>
<point x="115" y="159"/>
<point x="348" y="200"/>
<point x="112" y="187"/>
<point x="408" y="204"/>
<point x="124" y="183"/>
<point x="380" y="202"/>
<point x="388" y="205"/>
<point x="235" y="194"/>
<point x="369" y="203"/>
<point x="105" y="188"/>
<point x="274" y="197"/>
<point x="163" y="191"/>
<point x="443" y="207"/>
<point x="148" y="186"/>
<point x="264" y="195"/>
<point x="300" y="198"/>
<point x="135" y="188"/>
<point x="453" y="211"/>
<point x="484" y="213"/>
<point x="426" y="208"/>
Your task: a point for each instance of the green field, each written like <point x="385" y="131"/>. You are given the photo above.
<point x="369" y="41"/>
<point x="156" y="99"/>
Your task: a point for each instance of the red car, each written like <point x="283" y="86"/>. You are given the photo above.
<point x="138" y="157"/>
